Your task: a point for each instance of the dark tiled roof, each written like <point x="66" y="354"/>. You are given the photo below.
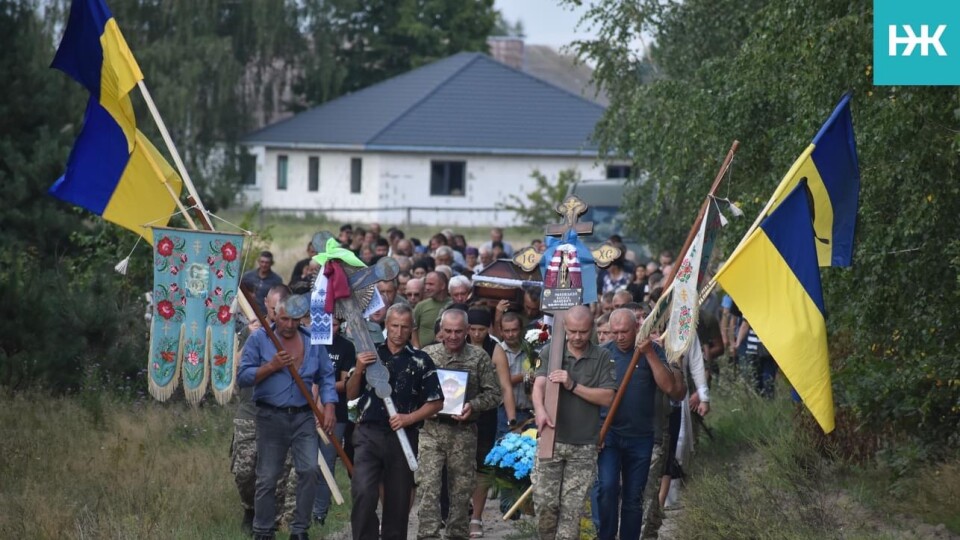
<point x="465" y="103"/>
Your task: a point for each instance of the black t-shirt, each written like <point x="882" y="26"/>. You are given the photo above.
<point x="344" y="356"/>
<point x="413" y="381"/>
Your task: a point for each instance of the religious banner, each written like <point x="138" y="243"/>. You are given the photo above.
<point x="684" y="304"/>
<point x="192" y="334"/>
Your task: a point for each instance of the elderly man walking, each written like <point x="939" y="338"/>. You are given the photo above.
<point x="625" y="457"/>
<point x="452" y="440"/>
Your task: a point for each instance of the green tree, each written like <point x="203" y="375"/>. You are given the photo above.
<point x="539" y="207"/>
<point x="379" y="39"/>
<point x="62" y="308"/>
<point x="768" y="74"/>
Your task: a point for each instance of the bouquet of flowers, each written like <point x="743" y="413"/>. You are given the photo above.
<point x="531" y="344"/>
<point x="512" y="456"/>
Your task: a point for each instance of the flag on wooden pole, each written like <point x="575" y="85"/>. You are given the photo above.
<point x="775" y="280"/>
<point x="113" y="170"/>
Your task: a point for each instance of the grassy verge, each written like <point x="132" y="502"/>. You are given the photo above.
<point x="762" y="476"/>
<point x="143" y="470"/>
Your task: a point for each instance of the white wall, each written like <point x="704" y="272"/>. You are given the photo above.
<point x="334" y="188"/>
<point x="396" y="187"/>
<point x="490" y="180"/>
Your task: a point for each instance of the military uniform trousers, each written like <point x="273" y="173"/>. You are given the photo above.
<point x="560" y="489"/>
<point x="454" y="445"/>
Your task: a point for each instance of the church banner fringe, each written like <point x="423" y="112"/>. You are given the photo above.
<point x="192" y="334"/>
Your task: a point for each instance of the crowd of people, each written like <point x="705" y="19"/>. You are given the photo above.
<point x="433" y="318"/>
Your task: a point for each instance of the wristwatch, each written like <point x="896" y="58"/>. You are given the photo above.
<point x="512" y="423"/>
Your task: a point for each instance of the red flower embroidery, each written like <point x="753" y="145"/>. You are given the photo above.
<point x="183" y="257"/>
<point x="174" y="270"/>
<point x="167" y="356"/>
<point x="165" y="246"/>
<point x="219" y="274"/>
<point x="211" y="259"/>
<point x="183" y="300"/>
<point x="165" y="309"/>
<point x="193" y="358"/>
<point x="174" y="287"/>
<point x="208" y="302"/>
<point x="224" y="314"/>
<point x="219" y="360"/>
<point x="229" y="252"/>
<point x="218" y="291"/>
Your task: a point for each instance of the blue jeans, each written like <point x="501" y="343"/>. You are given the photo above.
<point x="621" y="502"/>
<point x="321" y="504"/>
<point x="278" y="432"/>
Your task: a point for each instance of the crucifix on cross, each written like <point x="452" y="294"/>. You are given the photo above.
<point x="565" y="285"/>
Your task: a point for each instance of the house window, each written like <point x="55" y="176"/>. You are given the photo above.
<point x="447" y="178"/>
<point x="313" y="178"/>
<point x="356" y="170"/>
<point x="282" y="173"/>
<point x="618" y="171"/>
<point x="248" y="169"/>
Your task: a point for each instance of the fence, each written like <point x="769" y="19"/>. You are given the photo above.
<point x="405" y="215"/>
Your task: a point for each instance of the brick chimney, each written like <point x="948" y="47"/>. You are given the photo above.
<point x="507" y="50"/>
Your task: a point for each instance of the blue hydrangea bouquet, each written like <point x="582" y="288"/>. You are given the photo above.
<point x="512" y="457"/>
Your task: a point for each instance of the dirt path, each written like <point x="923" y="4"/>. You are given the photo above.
<point x="494" y="528"/>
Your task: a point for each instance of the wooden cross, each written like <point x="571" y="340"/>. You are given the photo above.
<point x="558" y="300"/>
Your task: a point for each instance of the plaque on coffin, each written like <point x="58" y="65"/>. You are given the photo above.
<point x="505" y="269"/>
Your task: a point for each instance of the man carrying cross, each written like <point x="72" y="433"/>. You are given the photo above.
<point x="588" y="381"/>
<point x="379" y="458"/>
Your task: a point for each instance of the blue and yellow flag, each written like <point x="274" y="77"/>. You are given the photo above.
<point x="832" y="171"/>
<point x="113" y="170"/>
<point x="775" y="280"/>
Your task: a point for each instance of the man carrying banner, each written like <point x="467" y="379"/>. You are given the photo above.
<point x="285" y="421"/>
<point x="625" y="456"/>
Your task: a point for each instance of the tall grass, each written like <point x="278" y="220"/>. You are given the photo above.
<point x="143" y="470"/>
<point x="764" y="476"/>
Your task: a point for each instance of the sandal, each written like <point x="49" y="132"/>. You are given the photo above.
<point x="476" y="528"/>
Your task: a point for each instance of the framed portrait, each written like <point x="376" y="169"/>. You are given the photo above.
<point x="453" y="382"/>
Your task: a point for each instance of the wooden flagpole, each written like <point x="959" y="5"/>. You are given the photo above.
<point x="185" y="176"/>
<point x="307" y="394"/>
<point x="673" y="273"/>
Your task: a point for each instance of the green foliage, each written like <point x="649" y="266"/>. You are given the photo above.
<point x="768" y="74"/>
<point x="379" y="39"/>
<point x="539" y="207"/>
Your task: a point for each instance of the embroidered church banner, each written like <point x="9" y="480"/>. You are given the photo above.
<point x="192" y="334"/>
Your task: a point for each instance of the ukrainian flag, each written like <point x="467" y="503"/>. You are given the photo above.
<point x="113" y="170"/>
<point x="832" y="171"/>
<point x="775" y="280"/>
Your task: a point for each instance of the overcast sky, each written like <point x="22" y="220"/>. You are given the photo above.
<point x="544" y="21"/>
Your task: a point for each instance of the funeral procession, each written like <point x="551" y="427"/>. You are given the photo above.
<point x="480" y="269"/>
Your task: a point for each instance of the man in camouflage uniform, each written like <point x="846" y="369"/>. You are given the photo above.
<point x="652" y="511"/>
<point x="452" y="440"/>
<point x="587" y="380"/>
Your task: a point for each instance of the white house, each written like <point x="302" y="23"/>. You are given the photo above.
<point x="443" y="144"/>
